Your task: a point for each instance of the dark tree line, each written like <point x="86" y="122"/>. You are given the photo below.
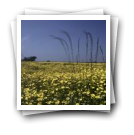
<point x="31" y="58"/>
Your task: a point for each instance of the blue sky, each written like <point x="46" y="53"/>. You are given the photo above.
<point x="36" y="39"/>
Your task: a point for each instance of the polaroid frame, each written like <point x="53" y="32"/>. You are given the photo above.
<point x="63" y="107"/>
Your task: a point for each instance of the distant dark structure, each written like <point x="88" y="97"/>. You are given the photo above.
<point x="31" y="58"/>
<point x="48" y="61"/>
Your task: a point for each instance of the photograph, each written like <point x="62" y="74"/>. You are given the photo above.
<point x="63" y="62"/>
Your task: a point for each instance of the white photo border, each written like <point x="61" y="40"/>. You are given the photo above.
<point x="63" y="107"/>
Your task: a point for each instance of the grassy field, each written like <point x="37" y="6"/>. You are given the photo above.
<point x="58" y="83"/>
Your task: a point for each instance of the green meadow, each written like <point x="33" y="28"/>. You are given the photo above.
<point x="63" y="83"/>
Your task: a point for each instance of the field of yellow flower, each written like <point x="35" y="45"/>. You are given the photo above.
<point x="54" y="83"/>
